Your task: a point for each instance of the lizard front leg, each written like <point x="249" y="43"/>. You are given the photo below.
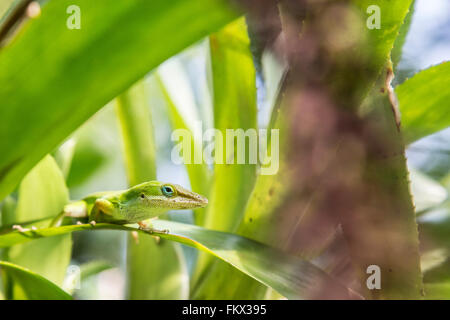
<point x="143" y="226"/>
<point x="101" y="207"/>
<point x="146" y="227"/>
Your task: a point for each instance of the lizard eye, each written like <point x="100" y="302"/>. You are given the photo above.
<point x="167" y="191"/>
<point x="142" y="196"/>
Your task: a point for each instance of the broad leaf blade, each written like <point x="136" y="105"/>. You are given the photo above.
<point x="424" y="102"/>
<point x="49" y="90"/>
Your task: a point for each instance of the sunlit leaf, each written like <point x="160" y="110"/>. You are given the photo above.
<point x="47" y="91"/>
<point x="424" y="102"/>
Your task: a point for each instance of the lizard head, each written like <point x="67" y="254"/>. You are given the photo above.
<point x="165" y="196"/>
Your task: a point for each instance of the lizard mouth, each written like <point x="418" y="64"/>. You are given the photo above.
<point x="196" y="201"/>
<point x="188" y="200"/>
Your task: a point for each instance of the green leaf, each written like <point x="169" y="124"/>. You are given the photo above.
<point x="42" y="193"/>
<point x="437" y="291"/>
<point x="155" y="271"/>
<point x="424" y="102"/>
<point x="34" y="286"/>
<point x="291" y="276"/>
<point x="8" y="209"/>
<point x="76" y="72"/>
<point x="392" y="19"/>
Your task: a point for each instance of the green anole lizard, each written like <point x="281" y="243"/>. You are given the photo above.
<point x="135" y="205"/>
